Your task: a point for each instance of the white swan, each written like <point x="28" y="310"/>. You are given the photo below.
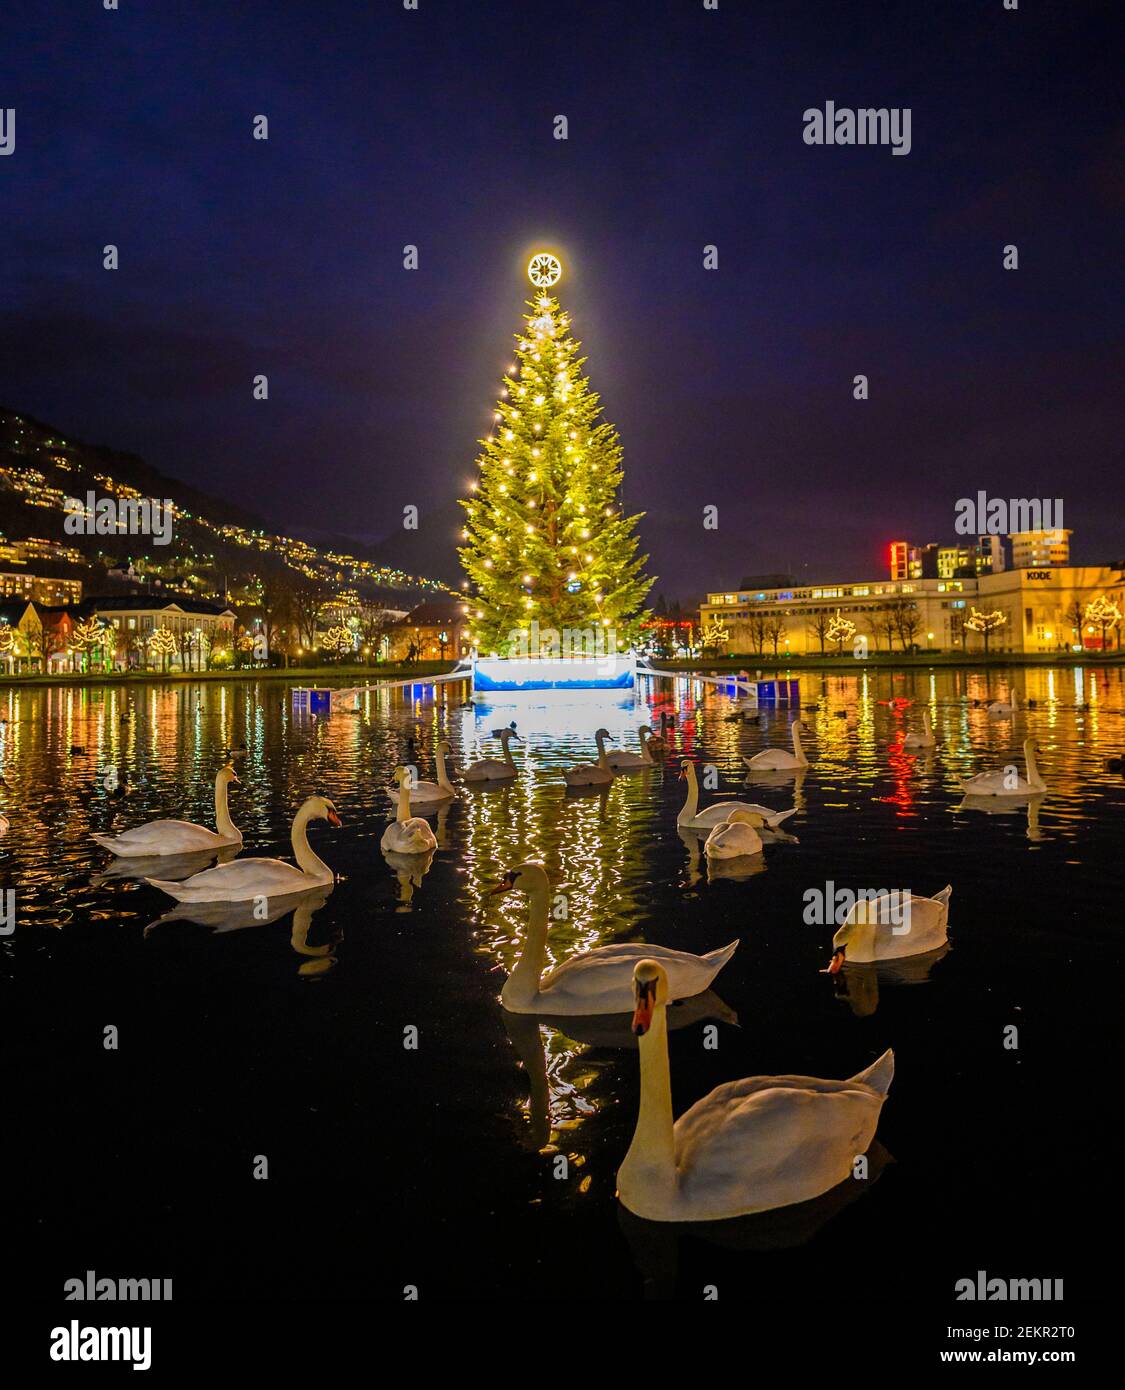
<point x="243" y="879"/>
<point x="751" y="1145"/>
<point x="925" y="739"/>
<point x="598" y="981"/>
<point x="179" y="836"/>
<point x="441" y="790"/>
<point x="591" y="774"/>
<point x="495" y="769"/>
<point x="407" y="834"/>
<point x="692" y="818"/>
<point x="1000" y="709"/>
<point x="735" y="836"/>
<point x="1006" y="781"/>
<point x="770" y="759"/>
<point x="882" y="929"/>
<point x="622" y="761"/>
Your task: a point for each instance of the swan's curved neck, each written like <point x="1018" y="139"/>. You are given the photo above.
<point x="1033" y="777"/>
<point x="926" y="722"/>
<point x="651" y="1159"/>
<point x="223" y="823"/>
<point x="403" y="812"/>
<point x="442" y="775"/>
<point x="522" y="985"/>
<point x="644" y="746"/>
<point x="691" y="805"/>
<point x="506" y="739"/>
<point x="798" y="751"/>
<point x="302" y="851"/>
<point x="599" y="739"/>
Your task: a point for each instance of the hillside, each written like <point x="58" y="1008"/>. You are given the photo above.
<point x="216" y="548"/>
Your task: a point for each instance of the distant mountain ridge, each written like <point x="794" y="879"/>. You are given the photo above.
<point x="40" y="468"/>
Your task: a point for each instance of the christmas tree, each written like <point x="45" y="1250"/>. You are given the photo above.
<point x="547" y="547"/>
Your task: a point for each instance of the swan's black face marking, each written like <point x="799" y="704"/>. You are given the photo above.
<point x="506" y="884"/>
<point x="645" y="992"/>
<point x="330" y="814"/>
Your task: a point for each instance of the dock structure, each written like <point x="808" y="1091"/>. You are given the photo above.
<point x="320" y="700"/>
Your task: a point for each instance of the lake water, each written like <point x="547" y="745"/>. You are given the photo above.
<point x="440" y="1167"/>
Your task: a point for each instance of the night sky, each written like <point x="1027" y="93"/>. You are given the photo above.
<point x="733" y="387"/>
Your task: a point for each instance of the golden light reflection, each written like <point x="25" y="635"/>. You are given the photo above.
<point x="603" y="852"/>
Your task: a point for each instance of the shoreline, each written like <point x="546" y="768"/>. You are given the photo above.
<point x="793" y="666"/>
<point x="296" y="675"/>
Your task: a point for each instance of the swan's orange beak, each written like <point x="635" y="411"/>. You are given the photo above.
<point x="642" y="1014"/>
<point x="837" y="961"/>
<point x="333" y="818"/>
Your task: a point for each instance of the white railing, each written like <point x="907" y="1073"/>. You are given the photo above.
<point x="740" y="685"/>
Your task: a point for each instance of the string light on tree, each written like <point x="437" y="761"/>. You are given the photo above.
<point x="339" y="639"/>
<point x="715" y="634"/>
<point x="840" y="630"/>
<point x="162" y="643"/>
<point x="538" y="494"/>
<point x="1104" y="614"/>
<point x="985" y="623"/>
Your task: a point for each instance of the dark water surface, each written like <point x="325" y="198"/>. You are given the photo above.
<point x="436" y="1167"/>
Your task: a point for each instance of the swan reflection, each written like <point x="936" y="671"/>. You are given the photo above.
<point x="1006" y="806"/>
<point x="174" y="867"/>
<point x="742" y="867"/>
<point x="594" y="1031"/>
<point x="857" y="984"/>
<point x="410" y="870"/>
<point x="230" y="917"/>
<point x="655" y="1245"/>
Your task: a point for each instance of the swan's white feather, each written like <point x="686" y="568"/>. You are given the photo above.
<point x="239" y="881"/>
<point x="489" y="770"/>
<point x="162" y="837"/>
<point x="770" y="1141"/>
<point x="412" y="836"/>
<point x="601" y="980"/>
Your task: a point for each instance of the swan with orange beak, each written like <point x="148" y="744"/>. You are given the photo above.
<point x="244" y="879"/>
<point x="891" y="926"/>
<point x="751" y="1145"/>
